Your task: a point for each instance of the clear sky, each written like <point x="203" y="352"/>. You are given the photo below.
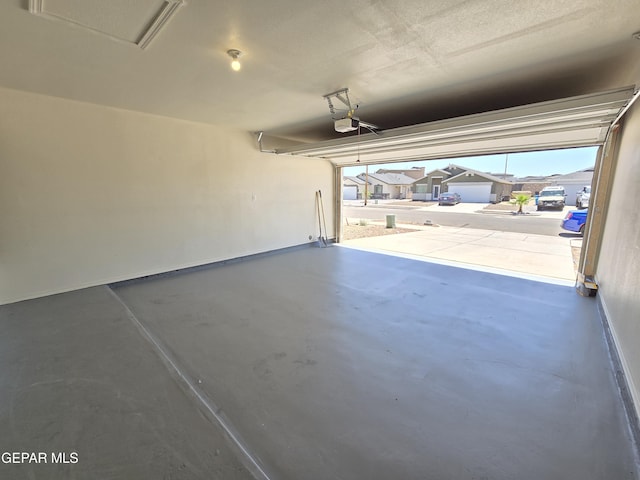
<point x="519" y="164"/>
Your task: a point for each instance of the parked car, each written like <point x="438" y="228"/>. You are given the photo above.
<point x="449" y="198"/>
<point x="552" y="197"/>
<point x="575" y="221"/>
<point x="583" y="196"/>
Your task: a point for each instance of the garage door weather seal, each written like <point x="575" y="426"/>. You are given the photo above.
<point x="248" y="460"/>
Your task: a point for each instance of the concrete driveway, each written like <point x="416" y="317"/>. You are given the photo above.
<point x="526" y="255"/>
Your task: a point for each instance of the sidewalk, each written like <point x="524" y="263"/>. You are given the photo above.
<point x="538" y="255"/>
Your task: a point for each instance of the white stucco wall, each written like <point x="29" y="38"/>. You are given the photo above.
<point x="618" y="269"/>
<point x="90" y="195"/>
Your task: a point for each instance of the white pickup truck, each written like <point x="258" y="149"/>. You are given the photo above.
<point x="551" y="197"/>
<point x="582" y="197"/>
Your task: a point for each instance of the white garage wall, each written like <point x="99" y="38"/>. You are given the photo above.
<point x="619" y="263"/>
<point x="90" y="195"/>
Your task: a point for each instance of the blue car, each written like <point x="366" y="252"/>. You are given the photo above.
<point x="575" y="220"/>
<point x="449" y="198"/>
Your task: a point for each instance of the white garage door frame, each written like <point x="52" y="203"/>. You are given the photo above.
<point x="579" y="121"/>
<point x="472" y="192"/>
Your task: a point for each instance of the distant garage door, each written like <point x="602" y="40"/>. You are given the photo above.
<point x="472" y="192"/>
<point x="349" y="192"/>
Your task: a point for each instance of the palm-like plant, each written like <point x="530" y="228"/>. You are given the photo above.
<point x="520" y="200"/>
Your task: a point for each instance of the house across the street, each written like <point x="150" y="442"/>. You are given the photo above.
<point x="388" y="185"/>
<point x="573" y="182"/>
<point x="481" y="187"/>
<point x="413" y="172"/>
<point x="353" y="188"/>
<point x="472" y="186"/>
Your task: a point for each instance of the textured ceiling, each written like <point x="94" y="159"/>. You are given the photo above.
<point x="404" y="61"/>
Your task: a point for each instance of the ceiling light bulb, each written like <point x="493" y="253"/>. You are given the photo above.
<point x="235" y="63"/>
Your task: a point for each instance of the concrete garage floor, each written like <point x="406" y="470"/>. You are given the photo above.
<point x="77" y="376"/>
<point x="314" y="364"/>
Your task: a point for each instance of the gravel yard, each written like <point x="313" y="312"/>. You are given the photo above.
<point x="508" y="206"/>
<point x="351" y="232"/>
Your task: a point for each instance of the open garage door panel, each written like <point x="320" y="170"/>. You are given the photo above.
<point x="571" y="122"/>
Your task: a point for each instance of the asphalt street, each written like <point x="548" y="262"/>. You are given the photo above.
<point x="498" y="221"/>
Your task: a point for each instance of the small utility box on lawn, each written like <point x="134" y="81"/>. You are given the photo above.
<point x="391" y="221"/>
